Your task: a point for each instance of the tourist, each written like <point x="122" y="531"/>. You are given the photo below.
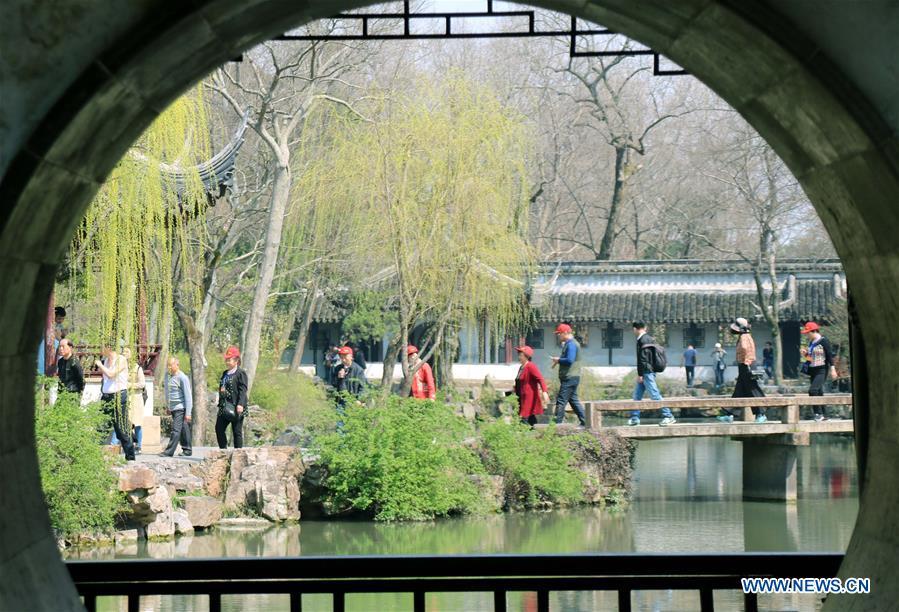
<point x="68" y="369"/>
<point x="768" y="360"/>
<point x="137" y="390"/>
<point x="179" y="403"/>
<point x="349" y="376"/>
<point x="569" y="375"/>
<point x="358" y="355"/>
<point x="746" y="385"/>
<point x="719" y="362"/>
<point x="690" y="363"/>
<point x="232" y="404"/>
<point x="114" y="396"/>
<point x="332" y="360"/>
<point x="818" y="364"/>
<point x="530" y="387"/>
<point x="423" y="385"/>
<point x="841" y="365"/>
<point x="647" y="352"/>
<point x="59" y="322"/>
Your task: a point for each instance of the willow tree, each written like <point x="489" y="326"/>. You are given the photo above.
<point x="441" y="176"/>
<point x="122" y="255"/>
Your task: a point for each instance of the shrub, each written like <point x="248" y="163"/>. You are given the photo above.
<point x="79" y="486"/>
<point x="401" y="459"/>
<point x="537" y="465"/>
<point x="291" y="398"/>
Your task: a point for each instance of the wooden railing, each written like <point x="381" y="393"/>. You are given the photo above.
<point x="789" y="404"/>
<point x="419" y="575"/>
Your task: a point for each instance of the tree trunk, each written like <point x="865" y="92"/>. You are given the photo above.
<point x="778" y="354"/>
<point x="446" y="357"/>
<point x="256" y="318"/>
<point x="622" y="170"/>
<point x="390" y="357"/>
<point x="194" y="336"/>
<point x="305" y="323"/>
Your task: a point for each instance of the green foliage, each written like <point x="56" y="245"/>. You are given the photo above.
<point x="79" y="486"/>
<point x="291" y="398"/>
<point x="401" y="460"/>
<point x="537" y="465"/>
<point x="369" y="318"/>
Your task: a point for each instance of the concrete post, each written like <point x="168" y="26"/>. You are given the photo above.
<point x="769" y="466"/>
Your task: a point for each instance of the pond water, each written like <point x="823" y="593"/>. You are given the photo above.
<point x="687" y="498"/>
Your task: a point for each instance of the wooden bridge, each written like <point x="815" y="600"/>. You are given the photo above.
<point x="769" y="449"/>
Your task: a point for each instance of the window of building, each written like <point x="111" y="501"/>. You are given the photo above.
<point x="694" y="335"/>
<point x="612" y="338"/>
<point x="535" y="339"/>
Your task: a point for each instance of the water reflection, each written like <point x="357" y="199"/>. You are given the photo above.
<point x="688" y="498"/>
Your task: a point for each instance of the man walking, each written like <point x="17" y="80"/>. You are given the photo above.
<point x="646" y="375"/>
<point x="179" y="402"/>
<point x="690" y="364"/>
<point x="349" y="377"/>
<point x="569" y="375"/>
<point x="719" y="360"/>
<point x="68" y="369"/>
<point x="768" y="360"/>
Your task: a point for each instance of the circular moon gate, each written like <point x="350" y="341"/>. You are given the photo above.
<point x="66" y="133"/>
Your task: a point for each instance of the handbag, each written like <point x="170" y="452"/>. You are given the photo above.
<point x="230" y="412"/>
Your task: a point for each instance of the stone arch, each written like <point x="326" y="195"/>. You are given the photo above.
<point x="88" y="82"/>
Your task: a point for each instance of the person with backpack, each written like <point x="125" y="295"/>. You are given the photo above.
<point x="569" y="375"/>
<point x="651" y="360"/>
<point x="746" y="385"/>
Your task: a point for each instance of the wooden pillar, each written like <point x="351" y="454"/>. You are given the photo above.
<point x="49" y="337"/>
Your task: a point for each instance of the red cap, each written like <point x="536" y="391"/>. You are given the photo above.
<point x="526" y="350"/>
<point x="232" y="352"/>
<point x="344" y="350"/>
<point x="809" y="327"/>
<point x="411" y="350"/>
<point x="563" y="328"/>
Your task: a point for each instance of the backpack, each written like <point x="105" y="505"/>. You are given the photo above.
<point x="658" y="358"/>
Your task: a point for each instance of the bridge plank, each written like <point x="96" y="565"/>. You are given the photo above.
<point x="772" y="401"/>
<point x="735" y="429"/>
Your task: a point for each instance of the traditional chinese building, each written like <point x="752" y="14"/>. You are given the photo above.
<point x="682" y="301"/>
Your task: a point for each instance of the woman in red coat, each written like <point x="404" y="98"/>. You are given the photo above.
<point x="530" y="387"/>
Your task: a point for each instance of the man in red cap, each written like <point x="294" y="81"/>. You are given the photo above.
<point x="819" y="362"/>
<point x="423" y="386"/>
<point x="569" y="375"/>
<point x="349" y="377"/>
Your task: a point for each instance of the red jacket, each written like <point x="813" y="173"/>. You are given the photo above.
<point x="423" y="386"/>
<point x="528" y="385"/>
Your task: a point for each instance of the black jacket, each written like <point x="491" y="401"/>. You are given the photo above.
<point x="235" y="392"/>
<point x="644" y="354"/>
<point x="71" y="376"/>
<point x="353" y="382"/>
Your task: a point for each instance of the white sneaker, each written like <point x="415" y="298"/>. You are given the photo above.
<point x="819" y="418"/>
<point x="667" y="421"/>
<point x="633" y="421"/>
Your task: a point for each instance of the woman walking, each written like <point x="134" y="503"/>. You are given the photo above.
<point x="232" y="404"/>
<point x="114" y="395"/>
<point x="746" y="385"/>
<point x="818" y="363"/>
<point x="136" y="389"/>
<point x="530" y="387"/>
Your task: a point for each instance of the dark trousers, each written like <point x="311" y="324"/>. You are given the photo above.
<point x="816" y="388"/>
<point x="180" y="433"/>
<point x="568" y="395"/>
<point x="221" y="426"/>
<point x="115" y="405"/>
<point x="531" y="420"/>
<point x="690" y="372"/>
<point x="719" y="376"/>
<point x="747" y="386"/>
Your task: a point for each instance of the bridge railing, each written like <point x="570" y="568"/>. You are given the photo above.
<point x="789" y="403"/>
<point x="419" y="575"/>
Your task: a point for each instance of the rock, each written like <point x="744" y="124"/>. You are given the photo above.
<point x="132" y="477"/>
<point x="493" y="490"/>
<point x="203" y="511"/>
<point x="294" y="436"/>
<point x="182" y="522"/>
<point x="213" y="471"/>
<point x="126" y="535"/>
<point x="175" y="474"/>
<point x="469" y="412"/>
<point x="243" y="523"/>
<point x="266" y="481"/>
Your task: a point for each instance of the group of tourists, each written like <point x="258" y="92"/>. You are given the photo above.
<point x="533" y="395"/>
<point x="123" y="395"/>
